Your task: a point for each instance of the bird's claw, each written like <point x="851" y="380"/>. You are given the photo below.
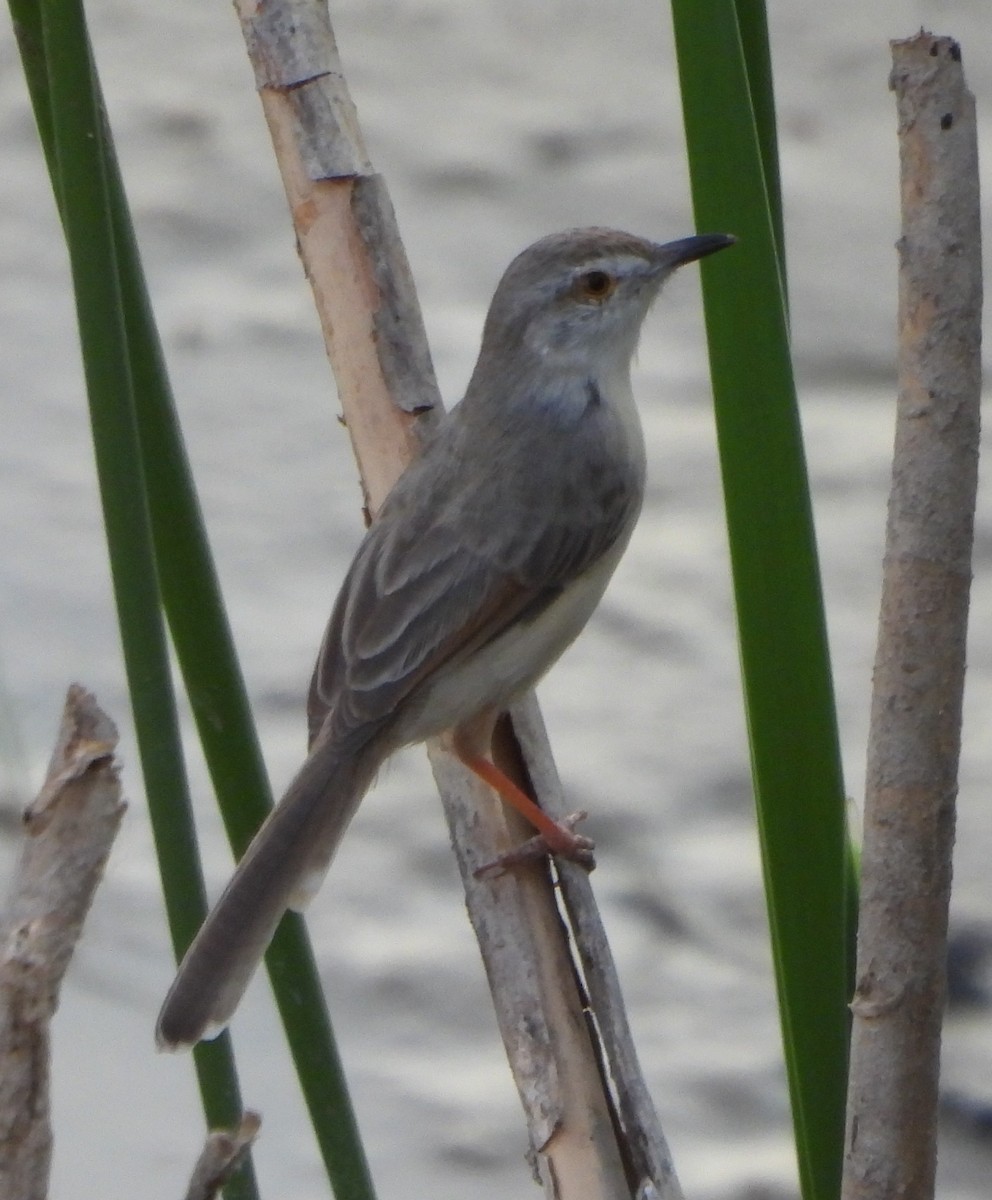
<point x="569" y="845"/>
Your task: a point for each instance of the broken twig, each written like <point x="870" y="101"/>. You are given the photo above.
<point x="70" y="828"/>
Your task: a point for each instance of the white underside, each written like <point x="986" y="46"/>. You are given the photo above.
<point x="500" y="672"/>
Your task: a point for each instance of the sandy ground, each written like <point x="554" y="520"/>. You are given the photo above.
<point x="493" y="123"/>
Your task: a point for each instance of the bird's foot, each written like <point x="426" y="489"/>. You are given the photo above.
<point x="563" y="842"/>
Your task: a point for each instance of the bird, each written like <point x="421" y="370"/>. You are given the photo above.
<point x="483" y="564"/>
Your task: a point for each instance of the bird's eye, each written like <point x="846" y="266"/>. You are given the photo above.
<point x="594" y="287"/>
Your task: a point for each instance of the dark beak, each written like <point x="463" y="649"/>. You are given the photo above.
<point x="689" y="249"/>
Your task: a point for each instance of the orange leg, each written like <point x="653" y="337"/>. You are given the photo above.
<point x="559" y="839"/>
<point x="554" y="838"/>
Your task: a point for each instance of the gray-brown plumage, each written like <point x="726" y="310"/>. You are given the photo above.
<point x="483" y="564"/>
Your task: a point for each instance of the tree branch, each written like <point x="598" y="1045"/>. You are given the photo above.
<point x="70" y="828"/>
<point x="919" y="666"/>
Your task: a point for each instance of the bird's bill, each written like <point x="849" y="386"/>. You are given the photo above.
<point x="689" y="249"/>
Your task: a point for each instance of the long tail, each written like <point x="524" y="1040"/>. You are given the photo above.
<point x="281" y="869"/>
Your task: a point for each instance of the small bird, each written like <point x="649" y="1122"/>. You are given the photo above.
<point x="483" y="564"/>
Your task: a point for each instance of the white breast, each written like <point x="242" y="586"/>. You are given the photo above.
<point x="514" y="662"/>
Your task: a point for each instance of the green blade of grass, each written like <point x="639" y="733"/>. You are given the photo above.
<point x="783" y="647"/>
<point x="71" y="118"/>
<point x="205" y="649"/>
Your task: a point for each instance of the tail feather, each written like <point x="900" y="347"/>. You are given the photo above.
<point x="281" y="868"/>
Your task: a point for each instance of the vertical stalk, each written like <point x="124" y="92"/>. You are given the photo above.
<point x="792" y="729"/>
<point x="915" y="734"/>
<point x="58" y="61"/>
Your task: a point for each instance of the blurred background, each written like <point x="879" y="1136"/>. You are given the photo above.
<point x="494" y="122"/>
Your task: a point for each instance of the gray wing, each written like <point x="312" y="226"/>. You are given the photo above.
<point x="463" y="547"/>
